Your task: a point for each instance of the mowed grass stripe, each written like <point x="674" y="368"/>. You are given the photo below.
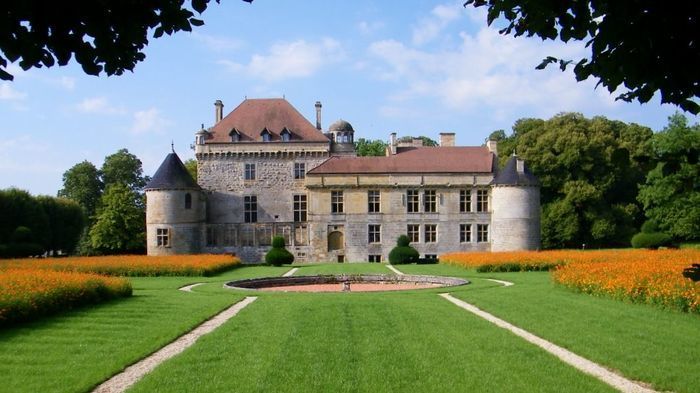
<point x="642" y="342"/>
<point x="77" y="351"/>
<point x="386" y="342"/>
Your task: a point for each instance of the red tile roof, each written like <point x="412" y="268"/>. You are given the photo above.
<point x="252" y="116"/>
<point x="413" y="160"/>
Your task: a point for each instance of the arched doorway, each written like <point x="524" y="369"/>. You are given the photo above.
<point x="335" y="241"/>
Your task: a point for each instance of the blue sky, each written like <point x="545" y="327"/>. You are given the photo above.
<point x="411" y="67"/>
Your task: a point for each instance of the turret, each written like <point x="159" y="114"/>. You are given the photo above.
<point x="175" y="210"/>
<point x="342" y="137"/>
<point x="515" y="217"/>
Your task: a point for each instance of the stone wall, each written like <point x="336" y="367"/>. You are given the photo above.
<point x="166" y="210"/>
<point x="515" y="222"/>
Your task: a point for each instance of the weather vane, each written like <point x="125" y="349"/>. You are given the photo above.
<point x="172" y="145"/>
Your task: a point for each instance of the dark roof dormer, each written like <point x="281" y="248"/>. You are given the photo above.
<point x="235" y="135"/>
<point x="265" y="135"/>
<point x="286" y="135"/>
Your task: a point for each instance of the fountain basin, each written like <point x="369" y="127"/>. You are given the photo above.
<point x="346" y="283"/>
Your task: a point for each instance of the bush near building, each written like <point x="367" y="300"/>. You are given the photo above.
<point x="403" y="252"/>
<point x="278" y="255"/>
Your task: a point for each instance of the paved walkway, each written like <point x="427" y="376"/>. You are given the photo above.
<point x="504" y="283"/>
<point x="582" y="364"/>
<point x="395" y="270"/>
<point x="290" y="272"/>
<point x="135" y="372"/>
<point x="188" y="288"/>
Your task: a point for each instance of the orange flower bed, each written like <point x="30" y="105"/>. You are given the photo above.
<point x="30" y="293"/>
<point x="133" y="265"/>
<point x="647" y="280"/>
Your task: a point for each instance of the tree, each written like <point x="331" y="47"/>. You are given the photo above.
<point x="102" y="36"/>
<point x="590" y="170"/>
<point x="82" y="184"/>
<point x="66" y="220"/>
<point x="367" y="147"/>
<point x="18" y="208"/>
<point x="644" y="46"/>
<point x="124" y="168"/>
<point x="671" y="194"/>
<point x="191" y="166"/>
<point x="120" y="221"/>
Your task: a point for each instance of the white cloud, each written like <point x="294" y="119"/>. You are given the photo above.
<point x="440" y="17"/>
<point x="367" y="28"/>
<point x="149" y="120"/>
<point x="484" y="69"/>
<point x="8" y="93"/>
<point x="99" y="105"/>
<point x="65" y="82"/>
<point x="298" y="59"/>
<point x="218" y="43"/>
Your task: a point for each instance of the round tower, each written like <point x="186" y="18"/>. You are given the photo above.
<point x="342" y="138"/>
<point x="175" y="210"/>
<point x="515" y="214"/>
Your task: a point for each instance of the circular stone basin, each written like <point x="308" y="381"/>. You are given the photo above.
<point x="346" y="283"/>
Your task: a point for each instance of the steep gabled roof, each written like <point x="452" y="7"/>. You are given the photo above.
<point x="252" y="116"/>
<point x="413" y="160"/>
<point x="172" y="174"/>
<point x="509" y="175"/>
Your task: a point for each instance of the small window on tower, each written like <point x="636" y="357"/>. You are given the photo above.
<point x="163" y="237"/>
<point x="188" y="201"/>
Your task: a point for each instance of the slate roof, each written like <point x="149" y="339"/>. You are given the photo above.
<point x="172" y="174"/>
<point x="509" y="176"/>
<point x="413" y="160"/>
<point x="253" y="116"/>
<point x="341" y="125"/>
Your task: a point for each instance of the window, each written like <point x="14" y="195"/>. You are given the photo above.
<point x="413" y="232"/>
<point x="336" y="202"/>
<point x="250" y="208"/>
<point x="465" y="201"/>
<point x="266" y="136"/>
<point x="235" y="136"/>
<point x="482" y="233"/>
<point x="188" y="201"/>
<point x="429" y="201"/>
<point x="374" y="233"/>
<point x="431" y="256"/>
<point x="465" y="233"/>
<point x="375" y="258"/>
<point x="299" y="208"/>
<point x="482" y="200"/>
<point x="412" y="201"/>
<point x="430" y="233"/>
<point x="247" y="236"/>
<point x="286" y="135"/>
<point x="211" y="236"/>
<point x="299" y="170"/>
<point x="163" y="237"/>
<point x="301" y="235"/>
<point x="249" y="172"/>
<point x="263" y="235"/>
<point x="373" y="201"/>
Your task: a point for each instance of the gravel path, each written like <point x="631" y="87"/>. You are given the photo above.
<point x="504" y="283"/>
<point x="291" y="272"/>
<point x="395" y="270"/>
<point x="613" y="379"/>
<point x="188" y="288"/>
<point x="133" y="373"/>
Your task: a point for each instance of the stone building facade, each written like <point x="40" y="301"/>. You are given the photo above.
<point x="264" y="170"/>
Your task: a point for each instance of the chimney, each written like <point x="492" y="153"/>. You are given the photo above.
<point x="520" y="165"/>
<point x="492" y="145"/>
<point x="318" y="115"/>
<point x="447" y="139"/>
<point x="391" y="149"/>
<point x="218" y="111"/>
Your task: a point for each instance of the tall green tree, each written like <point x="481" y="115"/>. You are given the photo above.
<point x="120" y="222"/>
<point x="66" y="220"/>
<point x="124" y="168"/>
<point x="82" y="184"/>
<point x="590" y="170"/>
<point x="671" y="193"/>
<point x="646" y="46"/>
<point x="368" y="147"/>
<point x="18" y="208"/>
<point x="191" y="166"/>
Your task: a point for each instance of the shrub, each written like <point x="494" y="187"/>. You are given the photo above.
<point x="650" y="226"/>
<point x="650" y="240"/>
<point x="278" y="255"/>
<point x="427" y="261"/>
<point x="403" y="252"/>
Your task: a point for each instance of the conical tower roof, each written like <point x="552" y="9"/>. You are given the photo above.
<point x="172" y="174"/>
<point x="510" y="176"/>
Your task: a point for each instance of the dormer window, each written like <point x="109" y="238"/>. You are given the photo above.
<point x="235" y="135"/>
<point x="286" y="135"/>
<point x="266" y="135"/>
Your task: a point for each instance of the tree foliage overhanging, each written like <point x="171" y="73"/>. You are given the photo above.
<point x="640" y="46"/>
<point x="101" y="36"/>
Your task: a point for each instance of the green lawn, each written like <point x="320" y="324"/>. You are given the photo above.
<point x="355" y="342"/>
<point x="380" y="342"/>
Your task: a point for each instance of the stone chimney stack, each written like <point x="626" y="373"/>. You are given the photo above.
<point x="318" y="115"/>
<point x="447" y="139"/>
<point x="218" y="111"/>
<point x="391" y="149"/>
<point x="492" y="145"/>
